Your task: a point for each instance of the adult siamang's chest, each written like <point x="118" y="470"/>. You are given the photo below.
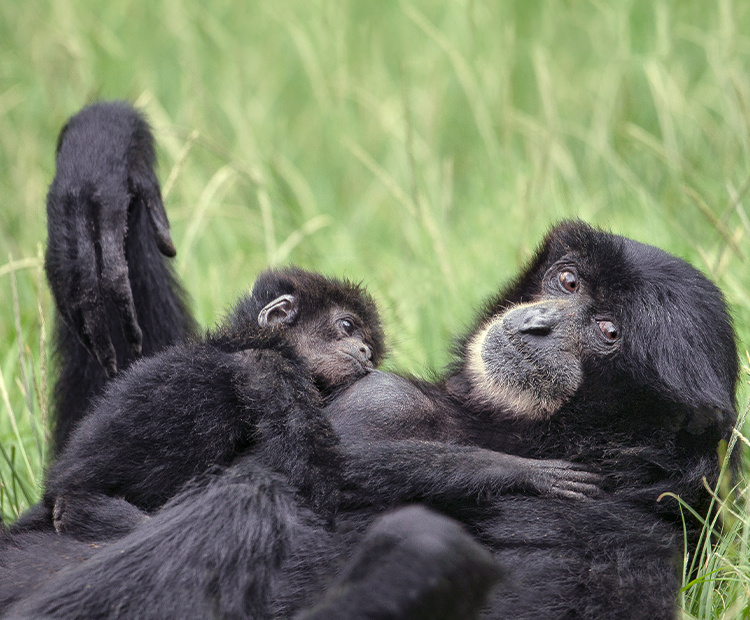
<point x="578" y="559"/>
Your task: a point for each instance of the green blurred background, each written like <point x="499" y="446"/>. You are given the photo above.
<point x="420" y="147"/>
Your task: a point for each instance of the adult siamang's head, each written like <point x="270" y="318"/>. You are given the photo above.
<point x="605" y="326"/>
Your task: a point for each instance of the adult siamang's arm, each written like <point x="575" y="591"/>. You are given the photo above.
<point x="108" y="235"/>
<point x="402" y="442"/>
<point x="384" y="473"/>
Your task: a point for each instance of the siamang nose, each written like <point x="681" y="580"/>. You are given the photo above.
<point x="534" y="320"/>
<point x="365" y="351"/>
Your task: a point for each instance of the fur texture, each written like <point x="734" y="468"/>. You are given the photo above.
<point x="647" y="414"/>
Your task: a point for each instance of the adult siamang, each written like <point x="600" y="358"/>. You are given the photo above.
<point x="604" y="351"/>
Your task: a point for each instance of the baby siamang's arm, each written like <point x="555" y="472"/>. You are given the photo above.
<point x="192" y="406"/>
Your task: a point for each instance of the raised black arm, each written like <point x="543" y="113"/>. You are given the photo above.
<point x="108" y="236"/>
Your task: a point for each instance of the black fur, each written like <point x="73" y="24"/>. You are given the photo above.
<point x="108" y="293"/>
<point x="616" y="556"/>
<point x="203" y="402"/>
<point x="648" y="413"/>
<point x="236" y="543"/>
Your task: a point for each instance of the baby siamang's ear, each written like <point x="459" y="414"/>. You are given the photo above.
<point x="281" y="310"/>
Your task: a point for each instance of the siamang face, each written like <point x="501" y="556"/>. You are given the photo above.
<point x="337" y="346"/>
<point x="530" y="357"/>
<point x="332" y="324"/>
<point x="601" y="313"/>
<point x="335" y="342"/>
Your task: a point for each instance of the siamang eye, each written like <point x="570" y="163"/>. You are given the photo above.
<point x="609" y="330"/>
<point x="346" y="326"/>
<point x="569" y="281"/>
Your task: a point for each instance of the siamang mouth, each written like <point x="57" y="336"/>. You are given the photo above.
<point x="503" y="351"/>
<point x="545" y="369"/>
<point x="366" y="365"/>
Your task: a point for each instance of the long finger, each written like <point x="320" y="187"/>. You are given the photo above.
<point x="590" y="490"/>
<point x="562" y="464"/>
<point x="582" y="476"/>
<point x="146" y="188"/>
<point x="114" y="276"/>
<point x="570" y="471"/>
<point x="81" y="300"/>
<point x="565" y="494"/>
<point x="158" y="217"/>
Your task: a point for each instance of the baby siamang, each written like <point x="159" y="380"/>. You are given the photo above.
<point x="259" y="380"/>
<point x="604" y="350"/>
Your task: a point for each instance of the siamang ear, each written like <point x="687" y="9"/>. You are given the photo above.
<point x="281" y="310"/>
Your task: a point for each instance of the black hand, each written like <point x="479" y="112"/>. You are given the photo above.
<point x="104" y="172"/>
<point x="559" y="478"/>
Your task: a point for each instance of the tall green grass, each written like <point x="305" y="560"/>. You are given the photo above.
<point x="420" y="147"/>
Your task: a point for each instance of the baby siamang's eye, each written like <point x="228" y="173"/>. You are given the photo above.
<point x="569" y="281"/>
<point x="346" y="326"/>
<point x="609" y="330"/>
